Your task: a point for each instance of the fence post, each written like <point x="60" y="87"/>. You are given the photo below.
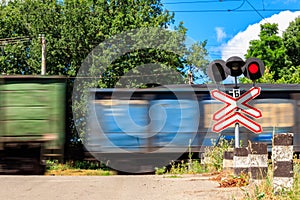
<point x="258" y="161"/>
<point x="228" y="160"/>
<point x="282" y="159"/>
<point x="240" y="160"/>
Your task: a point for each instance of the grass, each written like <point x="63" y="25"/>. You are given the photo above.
<point x="213" y="164"/>
<point x="213" y="161"/>
<point x="183" y="167"/>
<point x="77" y="168"/>
<point x="191" y="166"/>
<point x="264" y="190"/>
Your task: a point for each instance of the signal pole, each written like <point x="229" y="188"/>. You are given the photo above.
<point x="235" y="94"/>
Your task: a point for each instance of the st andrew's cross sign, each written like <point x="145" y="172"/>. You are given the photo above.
<point x="234" y="109"/>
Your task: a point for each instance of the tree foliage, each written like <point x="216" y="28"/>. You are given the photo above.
<point x="281" y="55"/>
<point x="73" y="29"/>
<point x="270" y="49"/>
<point x="291" y="40"/>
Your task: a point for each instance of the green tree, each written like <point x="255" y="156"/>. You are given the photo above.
<point x="281" y="55"/>
<point x="197" y="61"/>
<point x="271" y="50"/>
<point x="72" y="29"/>
<point x="291" y="40"/>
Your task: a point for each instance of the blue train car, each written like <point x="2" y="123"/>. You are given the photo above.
<point x="135" y="130"/>
<point x="138" y="124"/>
<point x="149" y="128"/>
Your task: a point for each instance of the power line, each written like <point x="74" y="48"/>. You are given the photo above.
<point x="14" y="40"/>
<point x="238" y="6"/>
<point x="196" y="2"/>
<point x="228" y="10"/>
<point x="255" y="10"/>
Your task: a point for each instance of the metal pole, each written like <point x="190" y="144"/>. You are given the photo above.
<point x="237" y="135"/>
<point x="43" y="40"/>
<point x="235" y="80"/>
<point x="237" y="126"/>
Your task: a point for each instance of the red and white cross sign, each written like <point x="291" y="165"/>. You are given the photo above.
<point x="237" y="118"/>
<point x="230" y="114"/>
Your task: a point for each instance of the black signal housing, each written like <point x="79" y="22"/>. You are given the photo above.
<point x="234" y="66"/>
<point x="216" y="71"/>
<point x="253" y="69"/>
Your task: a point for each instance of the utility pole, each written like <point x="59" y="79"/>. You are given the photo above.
<point x="43" y="41"/>
<point x="190" y="77"/>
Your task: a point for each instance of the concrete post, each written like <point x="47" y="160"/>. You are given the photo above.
<point x="228" y="160"/>
<point x="282" y="159"/>
<point x="240" y="160"/>
<point x="258" y="161"/>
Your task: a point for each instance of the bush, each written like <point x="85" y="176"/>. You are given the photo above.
<point x="213" y="156"/>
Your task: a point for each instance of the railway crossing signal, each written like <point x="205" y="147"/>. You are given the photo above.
<point x="237" y="109"/>
<point x="231" y="112"/>
<point x="236" y="103"/>
<point x="234" y="66"/>
<point x="218" y="70"/>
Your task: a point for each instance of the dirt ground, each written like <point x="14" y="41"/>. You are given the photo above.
<point x="121" y="187"/>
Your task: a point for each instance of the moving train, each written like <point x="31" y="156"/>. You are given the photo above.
<point x="135" y="130"/>
<point x="32" y="122"/>
<point x="130" y="130"/>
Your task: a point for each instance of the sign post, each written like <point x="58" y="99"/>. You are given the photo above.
<point x="237" y="135"/>
<point x="236" y="93"/>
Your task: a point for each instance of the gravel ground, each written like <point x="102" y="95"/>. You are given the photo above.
<point x="121" y="187"/>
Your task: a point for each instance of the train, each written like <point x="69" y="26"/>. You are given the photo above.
<point x="130" y="129"/>
<point x="32" y="122"/>
<point x="136" y="130"/>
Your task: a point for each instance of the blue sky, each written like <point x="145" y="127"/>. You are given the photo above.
<point x="229" y="25"/>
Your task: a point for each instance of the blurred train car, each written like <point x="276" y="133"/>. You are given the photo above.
<point x="139" y="129"/>
<point x="148" y="127"/>
<point x="32" y="122"/>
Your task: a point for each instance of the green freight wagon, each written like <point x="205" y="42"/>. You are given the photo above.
<point x="32" y="122"/>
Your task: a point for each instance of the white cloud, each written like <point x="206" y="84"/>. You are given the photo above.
<point x="220" y="33"/>
<point x="238" y="45"/>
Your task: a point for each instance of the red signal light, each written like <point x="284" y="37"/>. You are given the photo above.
<point x="253" y="68"/>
